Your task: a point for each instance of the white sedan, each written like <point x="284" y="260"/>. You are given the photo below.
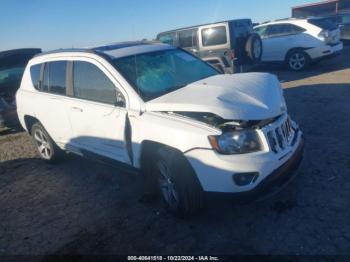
<point x="298" y="42"/>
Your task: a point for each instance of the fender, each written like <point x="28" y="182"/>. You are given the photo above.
<point x="173" y="131"/>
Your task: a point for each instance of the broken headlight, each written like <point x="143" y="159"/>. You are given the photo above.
<point x="236" y="142"/>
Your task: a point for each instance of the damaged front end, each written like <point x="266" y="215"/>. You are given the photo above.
<point x="238" y="136"/>
<point x="216" y="121"/>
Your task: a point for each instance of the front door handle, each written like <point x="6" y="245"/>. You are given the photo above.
<point x="55" y="98"/>
<point x="77" y="109"/>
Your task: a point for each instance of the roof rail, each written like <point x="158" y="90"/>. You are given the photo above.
<point x="285" y="19"/>
<point x="100" y="49"/>
<point x="64" y="50"/>
<point x="281" y="19"/>
<point x="118" y="45"/>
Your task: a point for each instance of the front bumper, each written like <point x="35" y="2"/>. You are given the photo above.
<point x="216" y="172"/>
<point x="278" y="179"/>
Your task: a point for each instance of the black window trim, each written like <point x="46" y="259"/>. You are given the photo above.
<point x="69" y="79"/>
<point x="41" y="77"/>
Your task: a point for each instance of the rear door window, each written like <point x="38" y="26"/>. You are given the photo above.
<point x="297" y="29"/>
<point x="188" y="38"/>
<point x="54" y="80"/>
<point x="214" y="36"/>
<point x="279" y="30"/>
<point x="90" y="83"/>
<point x="35" y="75"/>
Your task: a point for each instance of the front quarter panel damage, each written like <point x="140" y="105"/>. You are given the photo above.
<point x="173" y="131"/>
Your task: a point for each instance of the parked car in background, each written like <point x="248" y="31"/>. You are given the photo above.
<point x="230" y="46"/>
<point x="298" y="42"/>
<point x="12" y="65"/>
<point x="343" y="21"/>
<point x="163" y="111"/>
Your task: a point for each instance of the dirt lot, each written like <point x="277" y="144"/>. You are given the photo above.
<point x="84" y="207"/>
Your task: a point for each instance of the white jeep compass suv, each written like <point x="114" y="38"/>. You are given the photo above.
<point x="163" y="111"/>
<point x="298" y="42"/>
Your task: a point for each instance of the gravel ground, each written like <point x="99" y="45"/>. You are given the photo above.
<point x="84" y="207"/>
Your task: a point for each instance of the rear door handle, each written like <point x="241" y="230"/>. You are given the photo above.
<point x="77" y="109"/>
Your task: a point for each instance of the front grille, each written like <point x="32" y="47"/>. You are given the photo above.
<point x="279" y="138"/>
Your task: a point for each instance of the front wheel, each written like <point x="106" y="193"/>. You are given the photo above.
<point x="298" y="60"/>
<point x="178" y="184"/>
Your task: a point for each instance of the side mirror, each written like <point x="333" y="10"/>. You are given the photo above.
<point x="120" y="100"/>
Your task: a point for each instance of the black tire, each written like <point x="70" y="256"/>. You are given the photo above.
<point x="254" y="48"/>
<point x="46" y="147"/>
<point x="186" y="197"/>
<point x="297" y="60"/>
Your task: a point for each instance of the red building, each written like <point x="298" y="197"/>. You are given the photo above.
<point x="325" y="8"/>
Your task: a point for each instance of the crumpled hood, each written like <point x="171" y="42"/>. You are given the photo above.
<point x="248" y="96"/>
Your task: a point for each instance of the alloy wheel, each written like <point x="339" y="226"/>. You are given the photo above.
<point x="297" y="61"/>
<point x="42" y="143"/>
<point x="167" y="186"/>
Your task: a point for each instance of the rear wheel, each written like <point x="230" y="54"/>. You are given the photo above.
<point x="178" y="184"/>
<point x="298" y="60"/>
<point x="46" y="147"/>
